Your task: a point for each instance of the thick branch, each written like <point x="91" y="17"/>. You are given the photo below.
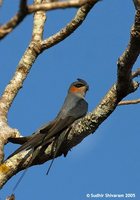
<point x="136" y="4"/>
<point x="24" y="65"/>
<point x="80" y="129"/>
<point x="23" y="69"/>
<point x="127" y="60"/>
<point x="20" y="75"/>
<point x="34" y="50"/>
<point x="91" y="121"/>
<point x="16" y="83"/>
<point x="134" y="101"/>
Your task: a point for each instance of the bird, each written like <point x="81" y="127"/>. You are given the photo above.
<point x="74" y="107"/>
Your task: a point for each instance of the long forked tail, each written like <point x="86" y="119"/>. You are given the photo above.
<point x="19" y="180"/>
<point x="31" y="143"/>
<point x="58" y="144"/>
<point x="34" y="155"/>
<point x="36" y="151"/>
<point x="23" y="174"/>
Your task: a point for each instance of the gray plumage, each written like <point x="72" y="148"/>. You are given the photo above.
<point x="74" y="107"/>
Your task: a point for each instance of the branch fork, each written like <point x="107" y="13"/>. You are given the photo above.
<point x="88" y="124"/>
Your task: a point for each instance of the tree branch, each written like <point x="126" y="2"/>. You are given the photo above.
<point x="79" y="131"/>
<point x="135" y="101"/>
<point x="129" y="102"/>
<point x="12" y="197"/>
<point x="127" y="60"/>
<point x="34" y="49"/>
<point x="24" y="66"/>
<point x="56" y="5"/>
<point x="136" y="4"/>
<point x="25" y="10"/>
<point x="90" y="123"/>
<point x="136" y="73"/>
<point x="20" y="75"/>
<point x="15" y="20"/>
<point x="1" y="1"/>
<point x="70" y="27"/>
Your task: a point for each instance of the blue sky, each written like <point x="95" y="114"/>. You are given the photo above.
<point x="105" y="162"/>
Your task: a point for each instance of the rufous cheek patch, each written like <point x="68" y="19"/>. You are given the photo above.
<point x="75" y="89"/>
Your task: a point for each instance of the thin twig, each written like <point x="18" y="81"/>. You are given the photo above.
<point x="56" y="5"/>
<point x="129" y="102"/>
<point x="136" y="73"/>
<point x="70" y="27"/>
<point x="22" y="71"/>
<point x="34" y="49"/>
<point x="91" y="121"/>
<point x="15" y="20"/>
<point x="1" y="1"/>
<point x="25" y="10"/>
<point x="79" y="131"/>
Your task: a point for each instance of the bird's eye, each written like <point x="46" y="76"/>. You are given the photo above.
<point x="79" y="85"/>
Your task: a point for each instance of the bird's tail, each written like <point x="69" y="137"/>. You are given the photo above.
<point x="32" y="143"/>
<point x="59" y="141"/>
<point x="20" y="140"/>
<point x="34" y="153"/>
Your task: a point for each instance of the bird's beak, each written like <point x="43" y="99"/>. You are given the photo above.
<point x="87" y="88"/>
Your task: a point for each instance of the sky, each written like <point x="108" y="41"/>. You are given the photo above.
<point x="104" y="162"/>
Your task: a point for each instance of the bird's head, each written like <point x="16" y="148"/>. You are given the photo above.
<point x="79" y="87"/>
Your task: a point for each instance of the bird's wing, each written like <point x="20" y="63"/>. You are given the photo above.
<point x="62" y="121"/>
<point x="43" y="135"/>
<point x="22" y="140"/>
<point x="59" y="125"/>
<point x="66" y="117"/>
<point x="31" y="143"/>
<point x="79" y="110"/>
<point x="19" y="140"/>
